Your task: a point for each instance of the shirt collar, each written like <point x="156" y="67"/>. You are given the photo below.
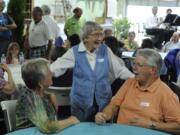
<point x="38" y="22"/>
<point x="152" y="87"/>
<point x="82" y="48"/>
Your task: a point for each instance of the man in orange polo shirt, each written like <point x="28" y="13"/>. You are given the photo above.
<point x="145" y="100"/>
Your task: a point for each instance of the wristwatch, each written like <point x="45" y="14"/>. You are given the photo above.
<point x="153" y="125"/>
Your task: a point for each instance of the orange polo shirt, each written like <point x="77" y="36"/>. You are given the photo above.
<point x="158" y="103"/>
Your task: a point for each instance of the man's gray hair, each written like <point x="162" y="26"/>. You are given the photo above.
<point x="3" y="4"/>
<point x="88" y="28"/>
<point x="34" y="71"/>
<point x="46" y="9"/>
<point x="153" y="58"/>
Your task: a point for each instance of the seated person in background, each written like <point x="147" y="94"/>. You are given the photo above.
<point x="13" y="53"/>
<point x="130" y="43"/>
<point x="108" y="33"/>
<point x="173" y="43"/>
<point x="66" y="79"/>
<point x="7" y="92"/>
<point x="145" y="100"/>
<point x="7" y="88"/>
<point x="114" y="45"/>
<point x="146" y="43"/>
<point x="35" y="107"/>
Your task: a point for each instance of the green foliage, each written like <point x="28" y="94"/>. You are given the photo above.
<point x="121" y="28"/>
<point x="16" y="10"/>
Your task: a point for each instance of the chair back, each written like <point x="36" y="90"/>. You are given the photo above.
<point x="8" y="108"/>
<point x="177" y="64"/>
<point x="175" y="88"/>
<point x="170" y="62"/>
<point x="62" y="94"/>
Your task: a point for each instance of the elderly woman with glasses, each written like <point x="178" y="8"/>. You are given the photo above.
<point x="94" y="67"/>
<point x="35" y="107"/>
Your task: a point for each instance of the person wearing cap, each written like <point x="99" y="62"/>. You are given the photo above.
<point x="73" y="24"/>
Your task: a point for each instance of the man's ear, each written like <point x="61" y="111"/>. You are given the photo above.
<point x="153" y="70"/>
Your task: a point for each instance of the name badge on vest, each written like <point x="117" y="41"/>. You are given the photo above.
<point x="100" y="60"/>
<point x="144" y="104"/>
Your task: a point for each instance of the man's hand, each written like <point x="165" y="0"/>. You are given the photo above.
<point x="100" y="118"/>
<point x="141" y="122"/>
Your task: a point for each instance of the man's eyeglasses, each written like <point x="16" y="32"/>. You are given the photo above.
<point x="139" y="64"/>
<point x="97" y="34"/>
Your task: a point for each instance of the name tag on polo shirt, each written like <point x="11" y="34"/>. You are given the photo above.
<point x="100" y="60"/>
<point x="144" y="104"/>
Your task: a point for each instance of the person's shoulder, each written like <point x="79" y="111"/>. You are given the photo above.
<point x="5" y="14"/>
<point x="23" y="91"/>
<point x="165" y="89"/>
<point x="69" y="18"/>
<point x="131" y="81"/>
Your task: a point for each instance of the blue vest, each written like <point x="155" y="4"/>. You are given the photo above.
<point x="91" y="84"/>
<point x="3" y="22"/>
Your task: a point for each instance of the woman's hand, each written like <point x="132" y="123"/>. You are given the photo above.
<point x="74" y="120"/>
<point x="5" y="68"/>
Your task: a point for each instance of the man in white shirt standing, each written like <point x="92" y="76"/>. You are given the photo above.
<point x="40" y="40"/>
<point x="153" y="21"/>
<point x="52" y="25"/>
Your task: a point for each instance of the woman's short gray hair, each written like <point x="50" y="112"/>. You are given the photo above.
<point x="34" y="71"/>
<point x="88" y="28"/>
<point x="46" y="9"/>
<point x="153" y="58"/>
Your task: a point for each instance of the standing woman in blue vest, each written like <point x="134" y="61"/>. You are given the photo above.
<point x="6" y="25"/>
<point x="93" y="65"/>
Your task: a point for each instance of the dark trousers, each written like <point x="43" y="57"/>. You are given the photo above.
<point x="84" y="114"/>
<point x="4" y="43"/>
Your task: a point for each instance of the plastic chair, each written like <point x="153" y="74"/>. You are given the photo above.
<point x="8" y="108"/>
<point x="62" y="94"/>
<point x="171" y="64"/>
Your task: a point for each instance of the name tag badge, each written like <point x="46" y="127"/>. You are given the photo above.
<point x="100" y="60"/>
<point x="144" y="104"/>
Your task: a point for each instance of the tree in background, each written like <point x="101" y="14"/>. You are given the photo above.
<point x="16" y="9"/>
<point x="121" y="28"/>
